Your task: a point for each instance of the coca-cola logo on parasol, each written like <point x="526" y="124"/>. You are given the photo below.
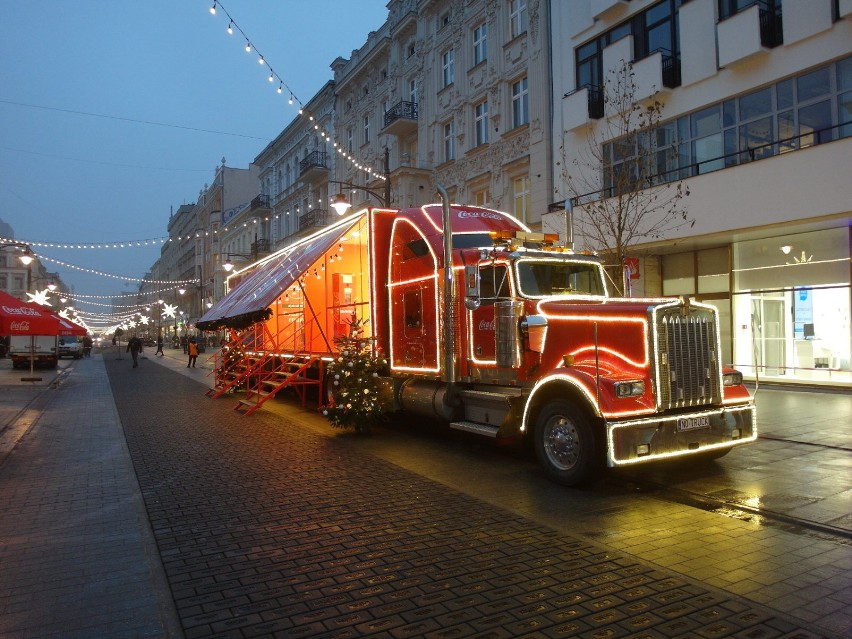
<point x="20" y="327"/>
<point x="21" y="310"/>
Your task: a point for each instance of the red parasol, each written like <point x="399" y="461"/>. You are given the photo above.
<point x="25" y="318"/>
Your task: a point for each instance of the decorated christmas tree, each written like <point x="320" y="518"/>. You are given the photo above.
<point x="353" y="379"/>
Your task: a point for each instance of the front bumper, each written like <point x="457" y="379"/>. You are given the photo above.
<point x="672" y="435"/>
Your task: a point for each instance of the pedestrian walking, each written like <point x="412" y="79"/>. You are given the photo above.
<point x="159" y="347"/>
<point x="134" y="347"/>
<point x="192" y="349"/>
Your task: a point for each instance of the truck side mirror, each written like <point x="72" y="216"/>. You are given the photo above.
<point x="471" y="287"/>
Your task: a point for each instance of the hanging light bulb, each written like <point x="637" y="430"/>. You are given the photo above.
<point x="231" y="28"/>
<point x="213" y="8"/>
<point x="280" y="88"/>
<point x="290" y="101"/>
<point x="248" y="46"/>
<point x="260" y="60"/>
<point x="271" y="78"/>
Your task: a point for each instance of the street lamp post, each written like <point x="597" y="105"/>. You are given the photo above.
<point x="228" y="265"/>
<point x="26" y="259"/>
<point x="340" y="203"/>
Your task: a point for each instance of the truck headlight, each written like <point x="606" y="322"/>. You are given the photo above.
<point x="629" y="389"/>
<point x="734" y="378"/>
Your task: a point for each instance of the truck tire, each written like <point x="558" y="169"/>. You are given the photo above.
<point x="565" y="444"/>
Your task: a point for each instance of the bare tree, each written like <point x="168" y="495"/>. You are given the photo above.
<point x="622" y="182"/>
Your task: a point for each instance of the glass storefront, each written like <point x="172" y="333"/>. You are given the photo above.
<point x="785" y="308"/>
<point x="791" y="307"/>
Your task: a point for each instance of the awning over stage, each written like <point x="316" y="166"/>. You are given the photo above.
<point x="250" y="300"/>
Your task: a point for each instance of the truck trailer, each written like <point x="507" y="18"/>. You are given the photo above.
<point x="40" y="350"/>
<point x="492" y="329"/>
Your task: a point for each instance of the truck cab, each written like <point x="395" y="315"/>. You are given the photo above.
<point x="538" y="350"/>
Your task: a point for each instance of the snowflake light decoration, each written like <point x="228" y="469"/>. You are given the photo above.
<point x="40" y="297"/>
<point x="169" y="310"/>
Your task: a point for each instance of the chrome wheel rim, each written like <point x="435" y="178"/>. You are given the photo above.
<point x="562" y="443"/>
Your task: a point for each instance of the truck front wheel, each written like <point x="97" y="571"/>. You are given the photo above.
<point x="565" y="444"/>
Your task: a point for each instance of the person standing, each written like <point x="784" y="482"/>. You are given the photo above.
<point x="134" y="347"/>
<point x="192" y="349"/>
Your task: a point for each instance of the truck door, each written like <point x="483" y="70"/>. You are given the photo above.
<point x="494" y="286"/>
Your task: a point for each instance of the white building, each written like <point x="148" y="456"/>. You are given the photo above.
<point x="757" y="124"/>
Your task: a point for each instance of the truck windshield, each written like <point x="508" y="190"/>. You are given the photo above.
<point x="543" y="278"/>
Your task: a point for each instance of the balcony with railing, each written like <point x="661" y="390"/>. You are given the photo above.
<point x="314" y="167"/>
<point x="581" y="105"/>
<point x="751" y="31"/>
<point x="259" y="248"/>
<point x="314" y="219"/>
<point x="401" y="119"/>
<point x="260" y="203"/>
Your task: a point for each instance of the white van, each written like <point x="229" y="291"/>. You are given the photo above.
<point x="71" y="346"/>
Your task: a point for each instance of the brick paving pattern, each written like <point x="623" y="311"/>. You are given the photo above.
<point x="268" y="530"/>
<point x="77" y="558"/>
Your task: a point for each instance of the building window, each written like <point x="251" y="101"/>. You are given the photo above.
<point x="443" y="20"/>
<point x="449" y="141"/>
<point x="482" y="197"/>
<point x="480" y="118"/>
<point x="412" y="90"/>
<point x="653" y="30"/>
<point x="410" y="50"/>
<point x="480" y="44"/>
<point x="448" y="68"/>
<point x="350" y="140"/>
<point x="517" y="17"/>
<point x="811" y="108"/>
<point x="521" y="197"/>
<point x="366" y="129"/>
<point x="520" y="103"/>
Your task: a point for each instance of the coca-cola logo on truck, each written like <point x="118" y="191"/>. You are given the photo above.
<point x="485" y="214"/>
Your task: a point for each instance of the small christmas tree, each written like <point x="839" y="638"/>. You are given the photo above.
<point x="353" y="379"/>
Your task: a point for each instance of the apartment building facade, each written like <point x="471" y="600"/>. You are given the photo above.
<point x="452" y="93"/>
<point x="756" y="124"/>
<point x="294" y="170"/>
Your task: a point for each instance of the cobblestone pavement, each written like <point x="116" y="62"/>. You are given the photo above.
<point x="266" y="526"/>
<point x="267" y="529"/>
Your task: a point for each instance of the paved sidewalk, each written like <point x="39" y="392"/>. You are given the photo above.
<point x="77" y="554"/>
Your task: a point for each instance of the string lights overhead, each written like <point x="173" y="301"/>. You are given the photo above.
<point x="117" y="277"/>
<point x="282" y="87"/>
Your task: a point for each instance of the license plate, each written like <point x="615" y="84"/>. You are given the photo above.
<point x="693" y="423"/>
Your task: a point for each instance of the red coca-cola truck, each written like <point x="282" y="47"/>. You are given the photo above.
<point x="517" y="339"/>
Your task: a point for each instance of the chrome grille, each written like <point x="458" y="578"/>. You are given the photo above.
<point x="687" y="357"/>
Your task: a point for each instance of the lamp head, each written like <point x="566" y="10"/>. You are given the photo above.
<point x="340" y="204"/>
<point x="27" y="257"/>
